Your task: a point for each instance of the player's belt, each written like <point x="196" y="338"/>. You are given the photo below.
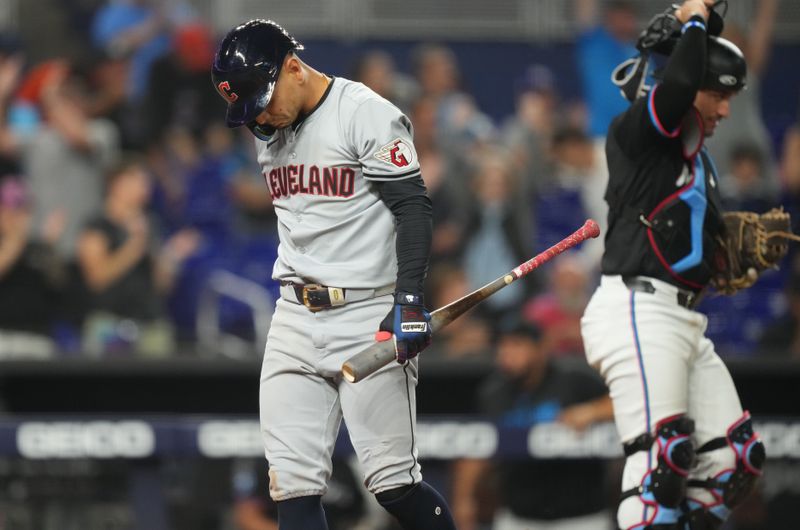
<point x="317" y="297"/>
<point x="685" y="298"/>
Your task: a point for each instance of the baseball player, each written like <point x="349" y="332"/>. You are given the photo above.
<point x="354" y="222"/>
<point x="692" y="455"/>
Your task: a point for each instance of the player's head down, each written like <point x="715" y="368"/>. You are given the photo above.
<point x="252" y="68"/>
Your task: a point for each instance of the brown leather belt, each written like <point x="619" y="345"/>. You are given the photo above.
<point x="318" y="297"/>
<point x="684" y="298"/>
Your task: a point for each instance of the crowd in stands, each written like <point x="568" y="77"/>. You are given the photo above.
<point x="121" y="191"/>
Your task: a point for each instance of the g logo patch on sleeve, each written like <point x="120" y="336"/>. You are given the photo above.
<point x="397" y="153"/>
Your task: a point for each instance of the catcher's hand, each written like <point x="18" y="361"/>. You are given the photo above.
<point x="752" y="244"/>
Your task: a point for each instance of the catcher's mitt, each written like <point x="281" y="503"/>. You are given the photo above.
<point x="752" y="244"/>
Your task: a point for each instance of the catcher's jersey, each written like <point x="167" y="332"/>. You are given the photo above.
<point x="334" y="229"/>
<point x="664" y="202"/>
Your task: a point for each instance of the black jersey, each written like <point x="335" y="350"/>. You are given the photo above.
<point x="665" y="214"/>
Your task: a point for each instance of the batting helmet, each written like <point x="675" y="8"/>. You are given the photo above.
<point x="246" y="67"/>
<point x="726" y="68"/>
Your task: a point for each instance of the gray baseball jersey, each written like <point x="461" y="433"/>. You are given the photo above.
<point x="333" y="227"/>
<point x="335" y="230"/>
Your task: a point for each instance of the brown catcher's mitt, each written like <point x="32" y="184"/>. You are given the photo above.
<point x="752" y="244"/>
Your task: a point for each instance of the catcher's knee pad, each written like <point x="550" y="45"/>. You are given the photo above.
<point x="664" y="486"/>
<point x="730" y="486"/>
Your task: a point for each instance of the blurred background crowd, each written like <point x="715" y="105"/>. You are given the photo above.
<point x="133" y="224"/>
<point x="123" y="197"/>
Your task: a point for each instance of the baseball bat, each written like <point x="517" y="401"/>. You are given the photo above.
<point x="382" y="353"/>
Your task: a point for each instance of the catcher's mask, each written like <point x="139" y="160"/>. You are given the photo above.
<point x="726" y="68"/>
<point x="246" y="68"/>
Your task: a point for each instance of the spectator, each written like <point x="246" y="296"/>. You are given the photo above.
<point x="64" y="160"/>
<point x="528" y="133"/>
<point x="436" y="70"/>
<point x="466" y="336"/>
<point x="790" y="169"/>
<point x="461" y="124"/>
<point x="746" y="125"/>
<point x="108" y="84"/>
<point x="32" y="277"/>
<point x="500" y="238"/>
<point x="448" y="218"/>
<point x="138" y="29"/>
<point x="179" y="92"/>
<point x="377" y="70"/>
<point x="528" y="388"/>
<point x="244" y="183"/>
<point x="447" y="162"/>
<point x="10" y="71"/>
<point x="426" y="128"/>
<point x="572" y="193"/>
<point x="600" y="48"/>
<point x="208" y="183"/>
<point x="747" y="185"/>
<point x="125" y="276"/>
<point x="783" y="336"/>
<point x="557" y="312"/>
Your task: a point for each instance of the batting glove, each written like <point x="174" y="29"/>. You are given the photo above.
<point x="409" y="324"/>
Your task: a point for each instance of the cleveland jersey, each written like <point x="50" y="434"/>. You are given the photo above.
<point x="334" y="229"/>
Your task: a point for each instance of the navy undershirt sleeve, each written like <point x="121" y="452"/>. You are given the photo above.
<point x="409" y="202"/>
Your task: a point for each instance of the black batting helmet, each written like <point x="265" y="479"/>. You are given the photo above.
<point x="726" y="68"/>
<point x="247" y="65"/>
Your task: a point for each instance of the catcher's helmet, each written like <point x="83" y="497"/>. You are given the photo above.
<point x="247" y="65"/>
<point x="726" y="69"/>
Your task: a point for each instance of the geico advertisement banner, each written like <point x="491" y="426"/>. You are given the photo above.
<point x="232" y="438"/>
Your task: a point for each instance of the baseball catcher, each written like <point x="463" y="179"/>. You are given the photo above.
<point x="691" y="452"/>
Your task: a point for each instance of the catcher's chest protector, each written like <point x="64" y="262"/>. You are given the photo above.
<point x="683" y="228"/>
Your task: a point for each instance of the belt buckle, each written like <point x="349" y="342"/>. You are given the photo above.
<point x="312" y="287"/>
<point x="689" y="297"/>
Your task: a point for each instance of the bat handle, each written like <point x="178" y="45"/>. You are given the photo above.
<point x="368" y="361"/>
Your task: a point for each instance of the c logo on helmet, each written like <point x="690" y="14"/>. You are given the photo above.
<point x="727" y="80"/>
<point x="225" y="91"/>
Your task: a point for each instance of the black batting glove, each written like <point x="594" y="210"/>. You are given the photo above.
<point x="409" y="322"/>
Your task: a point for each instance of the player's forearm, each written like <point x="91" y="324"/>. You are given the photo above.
<point x="101" y="270"/>
<point x="602" y="409"/>
<point x="414" y="236"/>
<point x="411" y="206"/>
<point x="683" y="75"/>
<point x="65" y="117"/>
